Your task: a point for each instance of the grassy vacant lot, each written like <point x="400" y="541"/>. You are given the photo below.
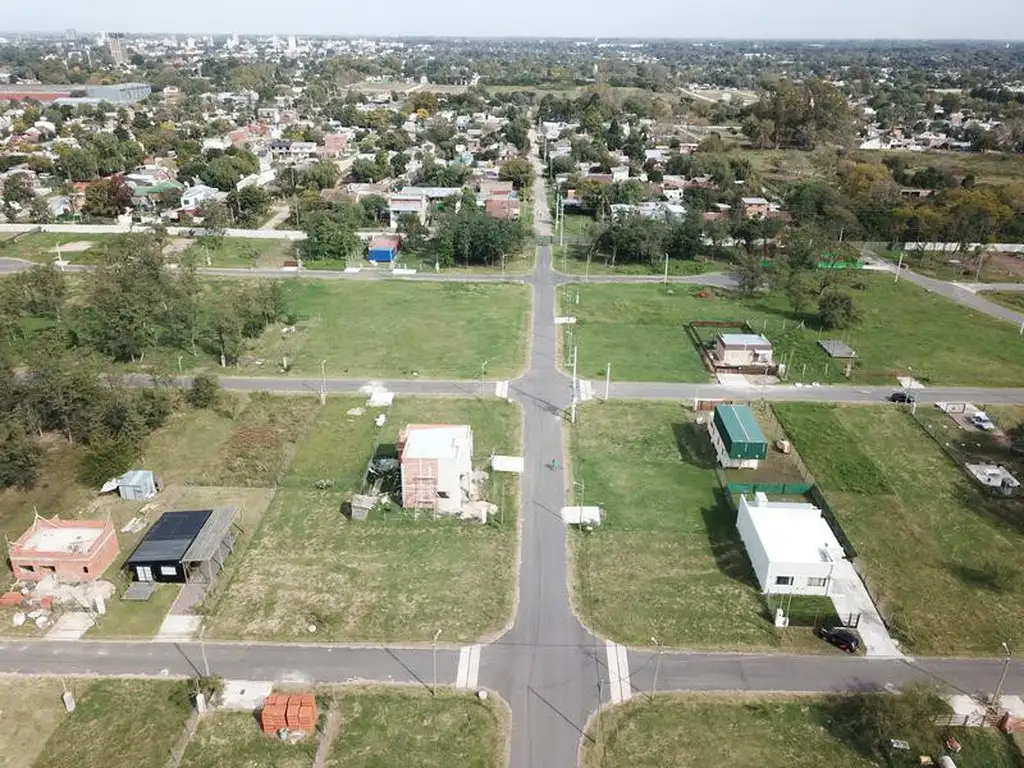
<point x="240" y="253"/>
<point x="234" y="740"/>
<point x="667" y="561"/>
<point x="395" y="329"/>
<point x="1010" y="299"/>
<point x="959" y="268"/>
<point x="388" y="578"/>
<point x="42" y="247"/>
<point x="641" y="330"/>
<point x="691" y="731"/>
<point x="32" y="709"/>
<point x="399" y="726"/>
<point x="119" y="724"/>
<point x="930" y="546"/>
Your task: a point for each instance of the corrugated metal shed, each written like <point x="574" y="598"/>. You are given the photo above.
<point x="740" y="432"/>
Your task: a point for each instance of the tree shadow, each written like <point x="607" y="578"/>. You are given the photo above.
<point x="726" y="545"/>
<point x="693" y="444"/>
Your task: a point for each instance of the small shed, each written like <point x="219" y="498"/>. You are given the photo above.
<point x="739" y="350"/>
<point x="383" y="249"/>
<point x="184" y="547"/>
<point x="136" y="485"/>
<point x="737" y="437"/>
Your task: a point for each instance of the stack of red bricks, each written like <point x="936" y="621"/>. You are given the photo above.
<point x="295" y="712"/>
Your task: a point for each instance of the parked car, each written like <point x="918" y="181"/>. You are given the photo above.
<point x="982" y="421"/>
<point x="843" y="639"/>
<point x="902" y="397"/>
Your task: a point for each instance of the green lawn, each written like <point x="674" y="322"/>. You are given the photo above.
<point x="42" y="247"/>
<point x="693" y="731"/>
<point x="119" y="724"/>
<point x="385" y="727"/>
<point x="667" y="561"/>
<point x="441" y="330"/>
<point x="240" y="253"/>
<point x="234" y="740"/>
<point x="1010" y="299"/>
<point x="930" y="545"/>
<point x="386" y="579"/>
<point x="641" y="330"/>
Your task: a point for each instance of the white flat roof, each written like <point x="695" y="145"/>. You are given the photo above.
<point x="435" y="442"/>
<point x="62" y="540"/>
<point x="745" y="340"/>
<point x="507" y="464"/>
<point x="793" y="532"/>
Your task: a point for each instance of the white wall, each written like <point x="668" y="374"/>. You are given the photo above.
<point x="800" y="572"/>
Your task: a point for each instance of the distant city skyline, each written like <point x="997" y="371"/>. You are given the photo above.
<point x="738" y="19"/>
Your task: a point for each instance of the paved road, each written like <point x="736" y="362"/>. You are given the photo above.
<point x="835" y="393"/>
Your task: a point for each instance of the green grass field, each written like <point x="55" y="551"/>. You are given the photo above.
<point x="402" y="330"/>
<point x="641" y="330"/>
<point x="386" y="579"/>
<point x="240" y="253"/>
<point x="1010" y="299"/>
<point x="693" y="731"/>
<point x="119" y="724"/>
<point x="667" y="561"/>
<point x="400" y="726"/>
<point x="234" y="740"/>
<point x="930" y="546"/>
<point x="42" y="247"/>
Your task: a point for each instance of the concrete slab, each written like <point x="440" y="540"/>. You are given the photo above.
<point x="245" y="695"/>
<point x="178" y="629"/>
<point x="909" y="382"/>
<point x="70" y="626"/>
<point x="732" y="379"/>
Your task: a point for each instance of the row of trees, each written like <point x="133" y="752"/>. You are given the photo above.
<point x="131" y="305"/>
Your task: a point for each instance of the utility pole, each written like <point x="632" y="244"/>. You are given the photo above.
<point x="574" y="382"/>
<point x="607" y="380"/>
<point x="657" y="668"/>
<point x="433" y="691"/>
<point x="1002" y="677"/>
<point x="483" y="368"/>
<point x="202" y="651"/>
<point x="899" y="266"/>
<point x="666" y="269"/>
<point x="323" y="382"/>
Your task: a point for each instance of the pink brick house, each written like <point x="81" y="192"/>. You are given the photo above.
<point x="71" y="550"/>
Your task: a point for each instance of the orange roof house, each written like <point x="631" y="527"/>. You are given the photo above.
<point x="71" y="550"/>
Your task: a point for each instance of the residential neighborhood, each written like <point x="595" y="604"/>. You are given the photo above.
<point x="439" y="400"/>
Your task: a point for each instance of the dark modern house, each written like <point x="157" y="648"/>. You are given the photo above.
<point x="184" y="547"/>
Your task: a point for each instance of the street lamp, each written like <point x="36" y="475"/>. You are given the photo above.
<point x="202" y="650"/>
<point x="657" y="667"/>
<point x="1002" y="677"/>
<point x="433" y="691"/>
<point x="323" y="382"/>
<point x="483" y="369"/>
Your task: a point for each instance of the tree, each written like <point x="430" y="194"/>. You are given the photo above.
<point x="249" y="204"/>
<point x="320" y="175"/>
<point x="107" y="198"/>
<point x="837" y="310"/>
<point x="204" y="392"/>
<point x="77" y="164"/>
<point x="367" y="171"/>
<point x="105" y="458"/>
<point x="20" y="456"/>
<point x="18" y="189"/>
<point x="328" y="237"/>
<point x="518" y="170"/>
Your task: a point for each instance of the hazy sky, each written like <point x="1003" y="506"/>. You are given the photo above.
<point x="834" y="19"/>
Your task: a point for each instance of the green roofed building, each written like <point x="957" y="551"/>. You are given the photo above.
<point x="738" y="440"/>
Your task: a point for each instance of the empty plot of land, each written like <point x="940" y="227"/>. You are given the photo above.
<point x="119" y="724"/>
<point x="440" y="330"/>
<point x="667" y="560"/>
<point x="388" y="578"/>
<point x="79" y="248"/>
<point x="234" y="740"/>
<point x="641" y="330"/>
<point x="239" y="253"/>
<point x="390" y="727"/>
<point x="689" y="731"/>
<point x="30" y="710"/>
<point x="929" y="544"/>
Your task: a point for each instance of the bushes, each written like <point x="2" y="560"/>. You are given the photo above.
<point x="205" y="391"/>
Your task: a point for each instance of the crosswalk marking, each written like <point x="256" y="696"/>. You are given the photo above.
<point x="469" y="667"/>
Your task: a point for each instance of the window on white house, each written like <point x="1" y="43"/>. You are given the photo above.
<point x="783" y="580"/>
<point x="442" y="494"/>
<point x="816" y="581"/>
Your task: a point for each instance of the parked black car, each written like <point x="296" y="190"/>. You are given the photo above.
<point x="902" y="397"/>
<point x="843" y="639"/>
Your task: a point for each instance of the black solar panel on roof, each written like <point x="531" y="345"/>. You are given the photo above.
<point x="179" y="525"/>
